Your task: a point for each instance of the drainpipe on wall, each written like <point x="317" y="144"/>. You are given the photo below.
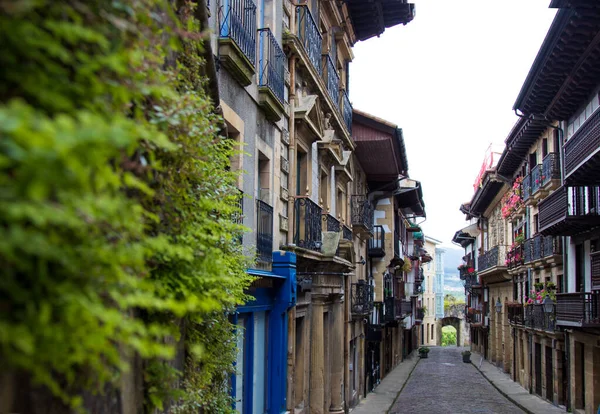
<point x="292" y="152"/>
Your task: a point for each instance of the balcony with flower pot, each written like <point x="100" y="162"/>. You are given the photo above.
<point x="515" y="256"/>
<point x="513" y="206"/>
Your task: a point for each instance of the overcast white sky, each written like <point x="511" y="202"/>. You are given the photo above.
<point x="449" y="80"/>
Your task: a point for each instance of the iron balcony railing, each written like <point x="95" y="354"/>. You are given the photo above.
<point x="475" y="317"/>
<point x="516" y="313"/>
<point x="362" y="298"/>
<point x="580" y="309"/>
<point x="420" y="314"/>
<point x="308" y="224"/>
<point x="331" y="223"/>
<point x="362" y="212"/>
<point x="536" y="318"/>
<point x="536" y="178"/>
<point x="595" y="269"/>
<point x="239" y="24"/>
<point x="333" y="80"/>
<point x="309" y="35"/>
<point x="347" y="233"/>
<point x="550" y="168"/>
<point x="264" y="231"/>
<point x="271" y="64"/>
<point x="392" y="309"/>
<point x="347" y="110"/>
<point x="377" y="242"/>
<point x="526" y="187"/>
<point x="492" y="258"/>
<point x="515" y="256"/>
<point x="540" y="247"/>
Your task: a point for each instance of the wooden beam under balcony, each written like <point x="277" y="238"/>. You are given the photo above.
<point x="582" y="153"/>
<point x="569" y="211"/>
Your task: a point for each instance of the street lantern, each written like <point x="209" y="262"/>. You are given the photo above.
<point x="498" y="306"/>
<point x="548" y="304"/>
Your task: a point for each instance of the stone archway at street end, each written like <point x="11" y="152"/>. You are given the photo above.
<point x="456" y="323"/>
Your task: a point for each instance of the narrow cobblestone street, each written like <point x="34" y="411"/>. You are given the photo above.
<point x="442" y="383"/>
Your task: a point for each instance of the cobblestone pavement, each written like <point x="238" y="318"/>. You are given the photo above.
<point x="442" y="384"/>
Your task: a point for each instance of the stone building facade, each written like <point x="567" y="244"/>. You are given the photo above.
<point x="548" y="175"/>
<point x="283" y="73"/>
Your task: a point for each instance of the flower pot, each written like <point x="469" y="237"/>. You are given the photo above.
<point x="467" y="359"/>
<point x="423" y="354"/>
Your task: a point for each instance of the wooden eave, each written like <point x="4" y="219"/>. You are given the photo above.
<point x="485" y="195"/>
<point x="521" y="138"/>
<point x="371" y="18"/>
<point x="567" y="66"/>
<point x="380" y="148"/>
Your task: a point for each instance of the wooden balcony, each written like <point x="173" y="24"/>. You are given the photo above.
<point x="582" y="154"/>
<point x="569" y="211"/>
<point x="581" y="309"/>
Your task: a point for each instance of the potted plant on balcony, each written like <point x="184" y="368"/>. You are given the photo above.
<point x="466" y="356"/>
<point x="423" y="351"/>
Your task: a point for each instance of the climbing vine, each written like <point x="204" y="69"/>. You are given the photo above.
<point x="115" y="203"/>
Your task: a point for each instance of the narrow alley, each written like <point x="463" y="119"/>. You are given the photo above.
<point x="441" y="383"/>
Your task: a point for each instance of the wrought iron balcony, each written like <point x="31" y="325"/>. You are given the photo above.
<point x="550" y="168"/>
<point x="569" y="211"/>
<point x="330" y="223"/>
<point x="377" y="242"/>
<point x="580" y="309"/>
<point x="264" y="231"/>
<point x="392" y="309"/>
<point x="541" y="247"/>
<point x="475" y="317"/>
<point x="536" y="318"/>
<point x="271" y="64"/>
<point x="362" y="214"/>
<point x="237" y="31"/>
<point x="346" y="107"/>
<point x="536" y="178"/>
<point x="309" y="35"/>
<point x="308" y="224"/>
<point x="471" y="280"/>
<point x="333" y="80"/>
<point x="347" y="233"/>
<point x="582" y="153"/>
<point x="271" y="67"/>
<point x="492" y="259"/>
<point x="515" y="256"/>
<point x="516" y="313"/>
<point x="362" y="298"/>
<point x="526" y="187"/>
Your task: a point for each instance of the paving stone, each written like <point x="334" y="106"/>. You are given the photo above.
<point x="442" y="383"/>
